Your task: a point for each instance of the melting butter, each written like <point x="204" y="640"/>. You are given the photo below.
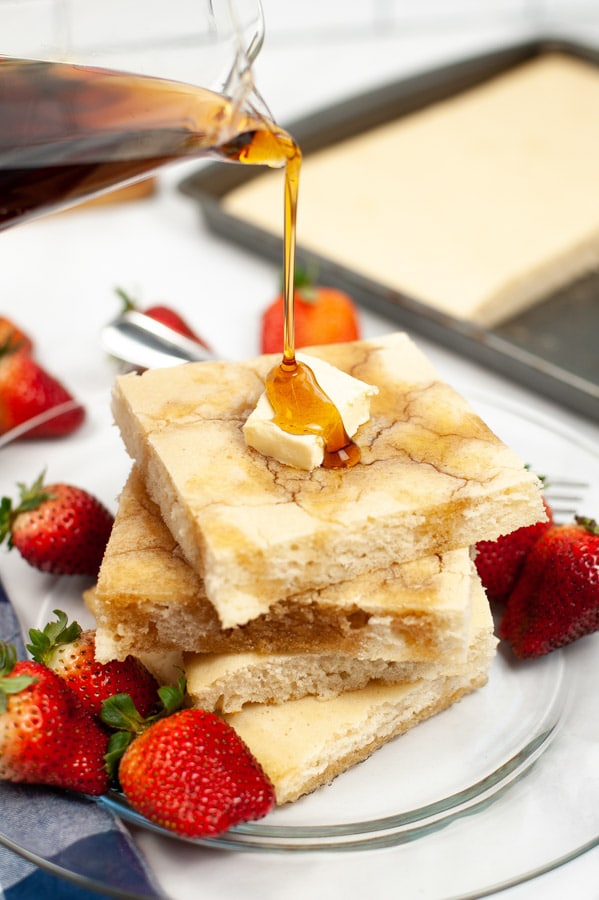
<point x="306" y="451"/>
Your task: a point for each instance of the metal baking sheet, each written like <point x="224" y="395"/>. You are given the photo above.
<point x="551" y="348"/>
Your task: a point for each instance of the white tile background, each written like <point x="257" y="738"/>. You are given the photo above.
<point x="348" y="47"/>
<point x="290" y="20"/>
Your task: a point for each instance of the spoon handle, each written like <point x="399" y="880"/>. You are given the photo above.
<point x="144" y="343"/>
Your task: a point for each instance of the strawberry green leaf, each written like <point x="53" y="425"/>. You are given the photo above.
<point x="587" y="523"/>
<point x="117" y="744"/>
<point x="6" y="519"/>
<point x="172" y="696"/>
<point x="29" y="498"/>
<point x="10" y="685"/>
<point x="32" y="497"/>
<point x="8" y="658"/>
<point x="304" y="282"/>
<point x="119" y="712"/>
<point x="53" y="634"/>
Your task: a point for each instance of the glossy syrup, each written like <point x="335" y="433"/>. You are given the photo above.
<point x="302" y="407"/>
<point x="299" y="403"/>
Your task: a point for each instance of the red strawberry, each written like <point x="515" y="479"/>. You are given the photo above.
<point x="167" y="316"/>
<point x="556" y="598"/>
<point x="71" y="653"/>
<point x="12" y="337"/>
<point x="45" y="737"/>
<point x="323" y="315"/>
<point x="57" y="528"/>
<point x="192" y="773"/>
<point x="27" y="390"/>
<point x="499" y="562"/>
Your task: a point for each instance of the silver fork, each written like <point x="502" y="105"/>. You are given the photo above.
<point x="565" y="496"/>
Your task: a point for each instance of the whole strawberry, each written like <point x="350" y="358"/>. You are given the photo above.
<point x="166" y="315"/>
<point x="71" y="653"/>
<point x="499" y="562"/>
<point x="27" y="390"/>
<point x="556" y="598"/>
<point x="57" y="528"/>
<point x="46" y="737"/>
<point x="192" y="774"/>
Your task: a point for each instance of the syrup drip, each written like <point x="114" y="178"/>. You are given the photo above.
<point x="299" y="403"/>
<point x="302" y="407"/>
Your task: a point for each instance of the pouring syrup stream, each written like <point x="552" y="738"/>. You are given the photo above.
<point x="299" y="403"/>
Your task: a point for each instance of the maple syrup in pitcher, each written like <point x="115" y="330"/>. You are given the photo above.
<point x="70" y="132"/>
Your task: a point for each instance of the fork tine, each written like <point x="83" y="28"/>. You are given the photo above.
<point x="562" y="512"/>
<point x="562" y="480"/>
<point x="565" y="496"/>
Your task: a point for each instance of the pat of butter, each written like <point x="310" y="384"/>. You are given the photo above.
<point x="306" y="451"/>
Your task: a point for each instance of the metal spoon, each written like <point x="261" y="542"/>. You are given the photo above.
<point x="139" y="342"/>
<point x="143" y="343"/>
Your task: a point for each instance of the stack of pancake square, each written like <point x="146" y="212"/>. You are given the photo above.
<point x="342" y="604"/>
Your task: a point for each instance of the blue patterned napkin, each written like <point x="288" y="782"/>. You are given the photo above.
<point x="64" y="830"/>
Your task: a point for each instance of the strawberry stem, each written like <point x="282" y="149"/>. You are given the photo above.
<point x="7" y="347"/>
<point x="304" y="282"/>
<point x="32" y="497"/>
<point x="53" y="635"/>
<point x="29" y="498"/>
<point x="587" y="523"/>
<point x="128" y="302"/>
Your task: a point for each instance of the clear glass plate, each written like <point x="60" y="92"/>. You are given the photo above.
<point x="490" y="793"/>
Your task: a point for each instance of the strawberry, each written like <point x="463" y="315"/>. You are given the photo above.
<point x="70" y="652"/>
<point x="45" y="736"/>
<point x="193" y="774"/>
<point x="12" y="337"/>
<point x="499" y="562"/>
<point x="166" y="315"/>
<point x="556" y="598"/>
<point x="57" y="528"/>
<point x="27" y="390"/>
<point x="323" y="315"/>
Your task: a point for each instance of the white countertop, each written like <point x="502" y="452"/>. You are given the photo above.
<point x="57" y="279"/>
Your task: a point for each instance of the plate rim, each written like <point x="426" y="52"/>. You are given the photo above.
<point x="523" y="414"/>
